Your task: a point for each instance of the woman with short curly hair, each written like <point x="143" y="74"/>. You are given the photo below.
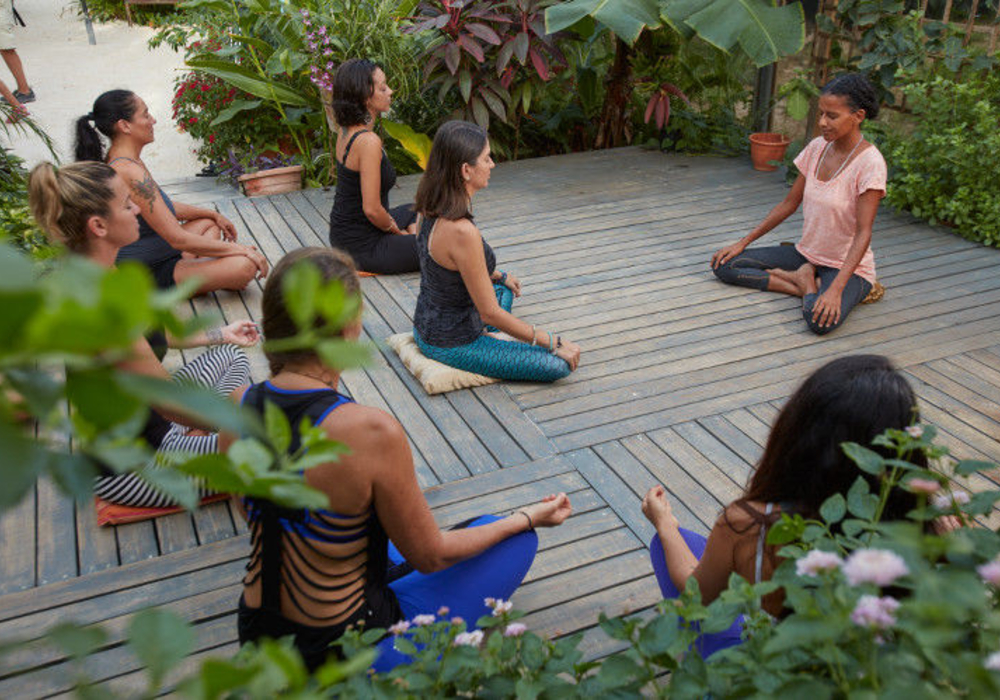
<point x="361" y="222"/>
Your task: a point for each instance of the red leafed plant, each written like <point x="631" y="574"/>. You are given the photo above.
<point x="479" y="39"/>
<point x="658" y="107"/>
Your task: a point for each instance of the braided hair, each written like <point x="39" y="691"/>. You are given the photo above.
<point x="857" y="90"/>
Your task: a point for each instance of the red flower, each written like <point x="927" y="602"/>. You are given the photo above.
<point x="211" y="138"/>
<point x="206" y="88"/>
<point x="193" y="120"/>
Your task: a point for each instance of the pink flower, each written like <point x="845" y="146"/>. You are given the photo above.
<point x="878" y="566"/>
<point x="993" y="661"/>
<point x="875" y="612"/>
<point x="990" y="571"/>
<point x="515" y="629"/>
<point x="817" y="561"/>
<point x="457" y="620"/>
<point x="946" y="501"/>
<point x="421" y="620"/>
<point x="398" y="628"/>
<point x="925" y="486"/>
<point x="468" y="639"/>
<point x="490" y="602"/>
<point x="443" y="611"/>
<point x="915" y="431"/>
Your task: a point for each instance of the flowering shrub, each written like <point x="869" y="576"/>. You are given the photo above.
<point x="222" y="119"/>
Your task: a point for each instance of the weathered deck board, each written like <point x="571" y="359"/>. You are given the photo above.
<point x="680" y="380"/>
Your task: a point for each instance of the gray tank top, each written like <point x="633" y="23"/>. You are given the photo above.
<point x="445" y="315"/>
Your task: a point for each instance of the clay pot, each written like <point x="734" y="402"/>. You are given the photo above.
<point x="766" y="147"/>
<point x="273" y="181"/>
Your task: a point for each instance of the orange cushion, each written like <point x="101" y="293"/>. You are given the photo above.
<point x="361" y="273"/>
<point x="114" y="514"/>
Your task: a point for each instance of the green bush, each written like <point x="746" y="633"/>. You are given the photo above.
<point x="946" y="169"/>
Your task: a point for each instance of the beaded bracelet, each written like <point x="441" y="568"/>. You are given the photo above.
<point x="503" y="277"/>
<point x="531" y="525"/>
<point x="214" y="336"/>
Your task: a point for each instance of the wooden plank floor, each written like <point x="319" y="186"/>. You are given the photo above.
<point x="679" y="381"/>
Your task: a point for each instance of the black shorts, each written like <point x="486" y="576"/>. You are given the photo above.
<point x="163" y="272"/>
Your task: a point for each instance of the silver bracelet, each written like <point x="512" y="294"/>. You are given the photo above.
<point x="534" y="339"/>
<point x="214" y="336"/>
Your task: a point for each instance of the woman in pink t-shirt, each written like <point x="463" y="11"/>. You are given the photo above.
<point x="841" y="180"/>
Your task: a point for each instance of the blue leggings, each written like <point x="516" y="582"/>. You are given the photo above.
<point x="749" y="269"/>
<point x="495" y="573"/>
<point x="707" y="644"/>
<point x="511" y="360"/>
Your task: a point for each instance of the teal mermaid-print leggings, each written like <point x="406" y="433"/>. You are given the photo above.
<point x="511" y="360"/>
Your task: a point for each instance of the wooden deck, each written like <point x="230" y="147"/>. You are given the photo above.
<point x="680" y="379"/>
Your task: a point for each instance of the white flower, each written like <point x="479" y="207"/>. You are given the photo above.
<point x="468" y="639"/>
<point x="398" y="628"/>
<point x="502" y="607"/>
<point x="945" y="501"/>
<point x="457" y="621"/>
<point x="816" y="561"/>
<point x="515" y="629"/>
<point x="990" y="571"/>
<point x="872" y="611"/>
<point x="878" y="566"/>
<point x="915" y="431"/>
<point x="993" y="661"/>
<point x="421" y="620"/>
<point x="490" y="602"/>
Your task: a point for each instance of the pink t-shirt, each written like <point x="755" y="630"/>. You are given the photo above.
<point x="830" y="208"/>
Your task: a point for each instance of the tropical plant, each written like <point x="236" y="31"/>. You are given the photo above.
<point x="757" y="28"/>
<point x="474" y="51"/>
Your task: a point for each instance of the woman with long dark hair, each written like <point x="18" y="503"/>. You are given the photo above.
<point x="379" y="238"/>
<point x="313" y="574"/>
<point x="87" y="207"/>
<point x="177" y="241"/>
<point x="842" y="178"/>
<point x="464" y="298"/>
<point x="851" y="399"/>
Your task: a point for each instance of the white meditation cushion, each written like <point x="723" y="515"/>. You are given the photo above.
<point x="435" y="377"/>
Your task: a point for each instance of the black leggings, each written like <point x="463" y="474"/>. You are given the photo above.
<point x="391" y="254"/>
<point x="749" y="269"/>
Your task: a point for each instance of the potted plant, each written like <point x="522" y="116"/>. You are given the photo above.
<point x="260" y="174"/>
<point x="766" y="147"/>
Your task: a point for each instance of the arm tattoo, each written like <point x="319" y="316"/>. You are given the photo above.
<point x="146" y="189"/>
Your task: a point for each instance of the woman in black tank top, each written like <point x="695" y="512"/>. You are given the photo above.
<point x="313" y="573"/>
<point x="177" y="241"/>
<point x="464" y="299"/>
<point x="378" y="238"/>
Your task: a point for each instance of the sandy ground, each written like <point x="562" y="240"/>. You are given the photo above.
<point x="67" y="74"/>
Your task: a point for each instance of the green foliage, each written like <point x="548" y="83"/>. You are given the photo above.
<point x="16" y="222"/>
<point x="762" y="31"/>
<point x="945" y="170"/>
<point x="495" y="54"/>
<point x="259" y="68"/>
<point x="895" y="46"/>
<point x="114" y="10"/>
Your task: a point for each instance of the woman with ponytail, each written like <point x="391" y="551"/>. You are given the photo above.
<point x="87" y="207"/>
<point x="177" y="241"/>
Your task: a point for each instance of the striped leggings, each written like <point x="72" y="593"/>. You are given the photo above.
<point x="223" y="368"/>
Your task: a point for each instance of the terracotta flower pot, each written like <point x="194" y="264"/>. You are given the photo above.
<point x="766" y="147"/>
<point x="273" y="181"/>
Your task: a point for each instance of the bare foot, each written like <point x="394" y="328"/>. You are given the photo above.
<point x="805" y="279"/>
